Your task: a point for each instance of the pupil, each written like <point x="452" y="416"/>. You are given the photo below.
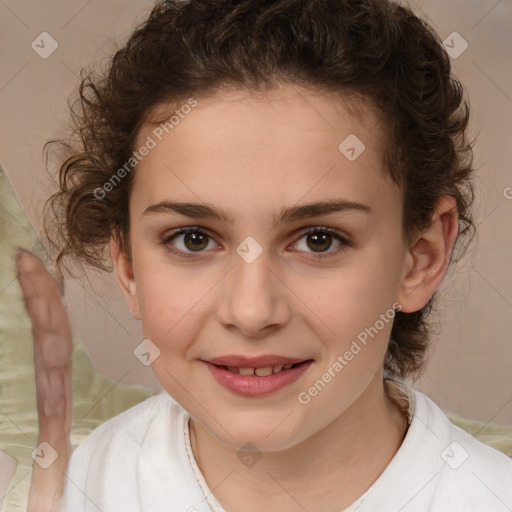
<point x="197" y="239"/>
<point x="319" y="241"/>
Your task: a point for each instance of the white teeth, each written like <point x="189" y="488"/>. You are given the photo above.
<point x="264" y="372"/>
<point x="260" y="372"/>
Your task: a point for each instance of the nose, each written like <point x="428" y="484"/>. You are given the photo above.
<point x="254" y="300"/>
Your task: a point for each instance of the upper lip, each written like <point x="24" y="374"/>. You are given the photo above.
<point x="254" y="362"/>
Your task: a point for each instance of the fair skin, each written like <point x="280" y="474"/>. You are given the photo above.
<point x="252" y="156"/>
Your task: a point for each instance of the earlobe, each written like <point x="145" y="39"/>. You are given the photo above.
<point x="125" y="276"/>
<point x="428" y="259"/>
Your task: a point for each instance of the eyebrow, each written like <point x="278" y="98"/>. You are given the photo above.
<point x="289" y="214"/>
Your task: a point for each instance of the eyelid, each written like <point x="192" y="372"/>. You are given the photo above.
<point x="166" y="238"/>
<point x="332" y="231"/>
<point x="342" y="237"/>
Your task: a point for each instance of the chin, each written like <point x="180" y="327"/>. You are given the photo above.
<point x="267" y="432"/>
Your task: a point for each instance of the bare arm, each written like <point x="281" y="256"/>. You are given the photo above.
<point x="53" y="350"/>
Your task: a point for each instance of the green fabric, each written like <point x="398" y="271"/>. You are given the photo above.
<point x="494" y="435"/>
<point x="95" y="397"/>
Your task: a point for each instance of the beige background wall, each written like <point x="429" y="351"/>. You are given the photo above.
<point x="470" y="370"/>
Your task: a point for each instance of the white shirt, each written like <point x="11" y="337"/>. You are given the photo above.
<point x="142" y="460"/>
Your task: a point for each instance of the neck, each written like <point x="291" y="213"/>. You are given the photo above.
<point x="328" y="471"/>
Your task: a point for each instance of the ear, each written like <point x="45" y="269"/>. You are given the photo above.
<point x="125" y="277"/>
<point x="427" y="260"/>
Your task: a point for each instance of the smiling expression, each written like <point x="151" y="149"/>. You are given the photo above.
<point x="290" y="250"/>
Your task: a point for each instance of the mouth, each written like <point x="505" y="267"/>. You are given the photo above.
<point x="263" y="371"/>
<point x="256" y="376"/>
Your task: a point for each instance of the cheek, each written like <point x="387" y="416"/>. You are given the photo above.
<point x="354" y="296"/>
<point x="354" y="314"/>
<point x="173" y="305"/>
<point x="162" y="304"/>
<point x="169" y="312"/>
<point x="357" y="310"/>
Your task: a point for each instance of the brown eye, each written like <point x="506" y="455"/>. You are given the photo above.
<point x="318" y="241"/>
<point x="188" y="241"/>
<point x="195" y="241"/>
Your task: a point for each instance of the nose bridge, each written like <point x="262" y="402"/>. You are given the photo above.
<point x="255" y="299"/>
<point x="251" y="266"/>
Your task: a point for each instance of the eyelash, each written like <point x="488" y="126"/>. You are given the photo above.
<point x="345" y="243"/>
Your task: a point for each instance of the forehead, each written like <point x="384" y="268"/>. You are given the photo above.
<point x="283" y="144"/>
<point x="295" y="108"/>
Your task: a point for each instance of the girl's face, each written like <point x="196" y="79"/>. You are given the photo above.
<point x="248" y="177"/>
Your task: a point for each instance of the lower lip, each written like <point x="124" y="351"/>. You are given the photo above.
<point x="252" y="385"/>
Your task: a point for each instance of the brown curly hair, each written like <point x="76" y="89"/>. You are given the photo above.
<point x="374" y="48"/>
